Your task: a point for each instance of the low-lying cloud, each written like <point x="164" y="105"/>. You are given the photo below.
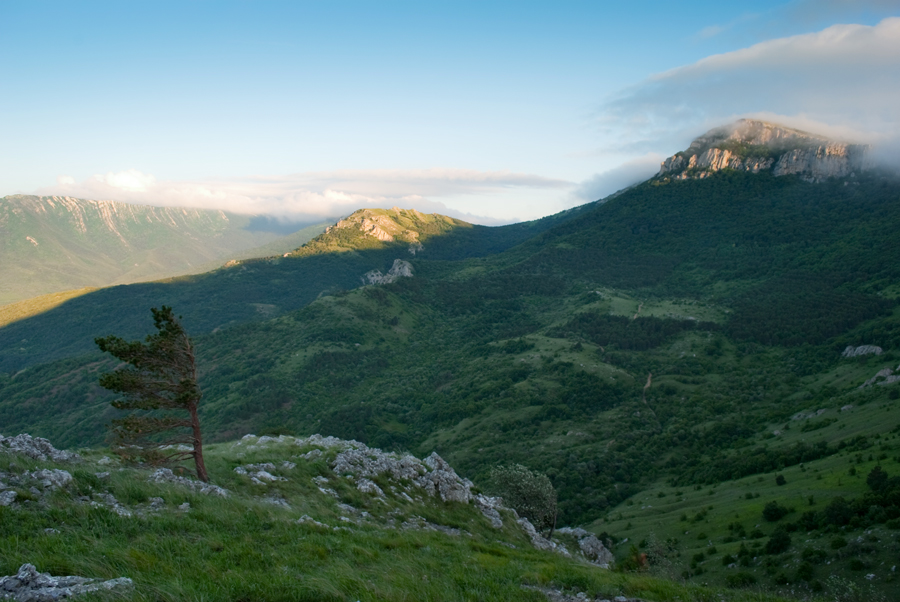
<point x="846" y="76"/>
<point x="623" y="176"/>
<point x="312" y="195"/>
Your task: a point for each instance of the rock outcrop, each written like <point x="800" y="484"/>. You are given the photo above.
<point x="591" y="547"/>
<point x="28" y="585"/>
<point x="754" y="146"/>
<point x="394" y="225"/>
<point x="852" y="351"/>
<point x="885" y="376"/>
<point x="36" y="448"/>
<point x="165" y="475"/>
<point x="400" y="269"/>
<point x="412" y="477"/>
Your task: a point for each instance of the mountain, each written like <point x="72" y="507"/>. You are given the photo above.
<point x="663" y="357"/>
<point x="754" y="146"/>
<point x="254" y="289"/>
<point x="51" y="243"/>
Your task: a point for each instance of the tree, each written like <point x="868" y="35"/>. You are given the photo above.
<point x="160" y="382"/>
<point x="530" y="493"/>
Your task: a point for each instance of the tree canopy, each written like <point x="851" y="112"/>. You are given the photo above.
<point x="159" y="383"/>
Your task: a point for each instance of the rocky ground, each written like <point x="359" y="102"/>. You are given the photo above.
<point x="388" y="480"/>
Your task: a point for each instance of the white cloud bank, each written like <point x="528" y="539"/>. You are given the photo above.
<point x="846" y="76"/>
<point x="313" y="195"/>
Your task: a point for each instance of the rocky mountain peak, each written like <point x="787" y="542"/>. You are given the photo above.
<point x="754" y="146"/>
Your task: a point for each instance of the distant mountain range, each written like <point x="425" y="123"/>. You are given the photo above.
<point x="51" y="243"/>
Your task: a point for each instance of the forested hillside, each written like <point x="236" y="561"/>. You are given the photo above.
<point x="682" y="339"/>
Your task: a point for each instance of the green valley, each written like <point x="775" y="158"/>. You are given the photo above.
<point x="664" y="356"/>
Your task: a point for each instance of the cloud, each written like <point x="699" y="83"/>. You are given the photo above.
<point x="847" y="76"/>
<point x="603" y="184"/>
<point x="311" y="195"/>
<point x="815" y="10"/>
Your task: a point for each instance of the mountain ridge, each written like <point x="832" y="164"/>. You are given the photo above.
<point x="754" y="146"/>
<point x="55" y="243"/>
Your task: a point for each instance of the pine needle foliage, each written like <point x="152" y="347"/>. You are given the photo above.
<point x="159" y="383"/>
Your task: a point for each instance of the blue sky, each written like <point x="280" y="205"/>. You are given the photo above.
<point x="489" y="111"/>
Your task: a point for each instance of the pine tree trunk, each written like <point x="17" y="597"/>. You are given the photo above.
<point x="198" y="444"/>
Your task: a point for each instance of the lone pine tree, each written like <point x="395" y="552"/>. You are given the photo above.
<point x="159" y="383"/>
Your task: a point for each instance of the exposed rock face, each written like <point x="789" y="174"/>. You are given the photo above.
<point x="165" y="475"/>
<point x="885" y="376"/>
<point x="861" y="350"/>
<point x="591" y="547"/>
<point x="381" y="226"/>
<point x="50" y="477"/>
<point x="754" y="146"/>
<point x="36" y="448"/>
<point x="28" y="585"/>
<point x="433" y="474"/>
<point x="400" y="269"/>
<point x="538" y="540"/>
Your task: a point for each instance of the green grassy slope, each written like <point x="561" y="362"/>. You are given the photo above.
<point x="736" y="293"/>
<point x="183" y="545"/>
<point x="254" y="289"/>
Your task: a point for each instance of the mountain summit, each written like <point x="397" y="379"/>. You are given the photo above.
<point x="754" y="146"/>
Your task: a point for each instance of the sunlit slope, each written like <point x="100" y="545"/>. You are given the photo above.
<point x="258" y="289"/>
<point x="50" y="244"/>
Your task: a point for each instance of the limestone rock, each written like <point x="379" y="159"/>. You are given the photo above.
<point x="28" y="585"/>
<point x="754" y="146"/>
<point x="591" y="547"/>
<point x="50" y="477"/>
<point x="490" y="507"/>
<point x="400" y="269"/>
<point x="260" y="474"/>
<point x="369" y="462"/>
<point x="36" y="448"/>
<point x="885" y="376"/>
<point x="537" y="540"/>
<point x="7" y="497"/>
<point x="367" y="486"/>
<point x="165" y="475"/>
<point x="852" y="351"/>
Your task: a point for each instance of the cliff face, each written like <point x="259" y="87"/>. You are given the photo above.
<point x="755" y="146"/>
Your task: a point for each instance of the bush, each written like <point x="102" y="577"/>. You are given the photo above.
<point x="813" y="555"/>
<point x="530" y="493"/>
<point x="805" y="571"/>
<point x="742" y="579"/>
<point x="774" y="511"/>
<point x="778" y="543"/>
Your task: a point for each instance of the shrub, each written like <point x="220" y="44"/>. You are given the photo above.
<point x="530" y="493"/>
<point x="742" y="579"/>
<point x="779" y="542"/>
<point x="774" y="511"/>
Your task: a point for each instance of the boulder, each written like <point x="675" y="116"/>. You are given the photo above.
<point x="31" y="586"/>
<point x="165" y="475"/>
<point x="36" y="448"/>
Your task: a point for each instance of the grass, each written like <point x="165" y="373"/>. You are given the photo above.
<point x="242" y="548"/>
<point x="20" y="310"/>
<point x="704" y="519"/>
